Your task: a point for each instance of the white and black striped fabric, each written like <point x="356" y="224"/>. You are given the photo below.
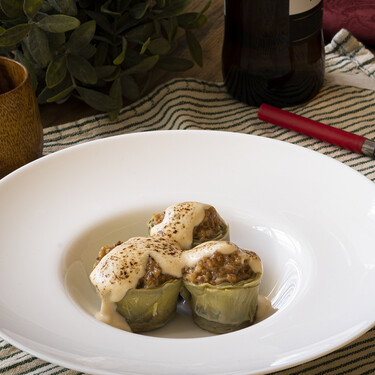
<point x="194" y="104"/>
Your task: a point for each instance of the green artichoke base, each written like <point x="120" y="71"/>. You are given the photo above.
<point x="150" y="308"/>
<point x="219" y="328"/>
<point x="223" y="308"/>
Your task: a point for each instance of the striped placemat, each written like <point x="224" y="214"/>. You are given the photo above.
<point x="194" y="104"/>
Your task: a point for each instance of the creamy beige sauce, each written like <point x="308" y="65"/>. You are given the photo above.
<point x="121" y="269"/>
<point x="179" y="222"/>
<point x="193" y="256"/>
<point x="108" y="314"/>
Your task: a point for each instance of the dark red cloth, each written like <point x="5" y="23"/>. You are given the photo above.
<point x="357" y="16"/>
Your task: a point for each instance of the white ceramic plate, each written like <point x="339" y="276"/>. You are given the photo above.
<point x="311" y="220"/>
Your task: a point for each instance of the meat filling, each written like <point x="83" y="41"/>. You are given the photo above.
<point x="219" y="268"/>
<point x="152" y="278"/>
<point x="209" y="228"/>
<point x="104" y="250"/>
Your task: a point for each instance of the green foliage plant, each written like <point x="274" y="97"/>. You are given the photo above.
<point x="98" y="51"/>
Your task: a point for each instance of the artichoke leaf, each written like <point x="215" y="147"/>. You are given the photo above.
<point x="150" y="308"/>
<point x="225" y="307"/>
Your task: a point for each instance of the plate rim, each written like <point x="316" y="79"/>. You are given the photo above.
<point x="152" y="133"/>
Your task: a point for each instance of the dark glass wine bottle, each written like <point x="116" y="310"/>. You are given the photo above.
<point x="273" y="51"/>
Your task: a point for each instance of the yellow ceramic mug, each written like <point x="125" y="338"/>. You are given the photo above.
<point x="21" y="132"/>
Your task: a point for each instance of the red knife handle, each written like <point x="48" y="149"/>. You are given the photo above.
<point x="311" y="128"/>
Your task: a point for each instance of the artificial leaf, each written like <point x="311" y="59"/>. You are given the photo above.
<point x="125" y="22"/>
<point x="81" y="36"/>
<point x="38" y="46"/>
<point x="123" y="5"/>
<point x="160" y="4"/>
<point x="72" y="11"/>
<point x="113" y="76"/>
<point x="159" y="46"/>
<point x="138" y="10"/>
<point x="46" y="7"/>
<point x="132" y="58"/>
<point x="146" y="84"/>
<point x="32" y="7"/>
<point x="56" y="41"/>
<point x="58" y="23"/>
<point x="121" y="38"/>
<point x="194" y="20"/>
<point x="130" y="88"/>
<point x="144" y="66"/>
<point x="175" y="64"/>
<point x="194" y="47"/>
<point x="101" y="53"/>
<point x="139" y="34"/>
<point x="14" y="35"/>
<point x="173" y="27"/>
<point x="27" y="54"/>
<point x="101" y="20"/>
<point x="61" y="96"/>
<point x="191" y="20"/>
<point x="145" y="46"/>
<point x="208" y="4"/>
<point x="84" y="3"/>
<point x="120" y="58"/>
<point x="87" y="52"/>
<point x="56" y="71"/>
<point x="97" y="100"/>
<point x="105" y="9"/>
<point x="12" y="8"/>
<point x="174" y="8"/>
<point x="116" y="94"/>
<point x="62" y="6"/>
<point x="47" y="93"/>
<point x="158" y="27"/>
<point x="81" y="69"/>
<point x="3" y="16"/>
<point x="105" y="71"/>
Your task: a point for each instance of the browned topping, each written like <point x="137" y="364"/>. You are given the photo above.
<point x="154" y="276"/>
<point x="127" y="258"/>
<point x="158" y="218"/>
<point x="208" y="229"/>
<point x="211" y="225"/>
<point x="104" y="250"/>
<point x="219" y="268"/>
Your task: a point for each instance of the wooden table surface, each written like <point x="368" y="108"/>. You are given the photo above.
<point x="210" y="36"/>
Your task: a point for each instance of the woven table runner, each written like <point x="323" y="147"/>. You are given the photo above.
<point x="194" y="104"/>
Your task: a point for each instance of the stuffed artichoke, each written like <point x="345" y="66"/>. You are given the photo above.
<point x="139" y="283"/>
<point x="190" y="224"/>
<point x="221" y="282"/>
